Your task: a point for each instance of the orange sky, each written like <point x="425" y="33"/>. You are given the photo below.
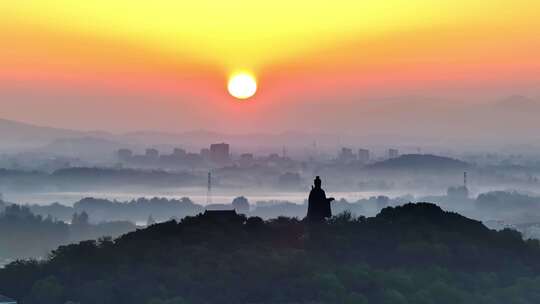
<point x="120" y="65"/>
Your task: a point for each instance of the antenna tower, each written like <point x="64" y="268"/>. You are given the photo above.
<point x="209" y="189"/>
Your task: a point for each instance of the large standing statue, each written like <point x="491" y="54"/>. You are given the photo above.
<point x="319" y="206"/>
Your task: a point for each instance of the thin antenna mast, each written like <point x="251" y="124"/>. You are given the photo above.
<point x="209" y="189"/>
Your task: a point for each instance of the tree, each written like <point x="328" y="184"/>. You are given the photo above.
<point x="355" y="298"/>
<point x="380" y="259"/>
<point x="241" y="204"/>
<point x="81" y="219"/>
<point x="392" y="296"/>
<point x="47" y="291"/>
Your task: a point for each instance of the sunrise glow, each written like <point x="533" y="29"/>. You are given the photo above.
<point x="182" y="54"/>
<point x="242" y="85"/>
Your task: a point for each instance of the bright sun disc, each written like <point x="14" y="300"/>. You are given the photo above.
<point x="242" y="86"/>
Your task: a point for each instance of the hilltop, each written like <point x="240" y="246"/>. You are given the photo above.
<point x="420" y="162"/>
<point x="416" y="253"/>
<point x="18" y="135"/>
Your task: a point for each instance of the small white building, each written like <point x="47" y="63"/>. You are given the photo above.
<point x="6" y="300"/>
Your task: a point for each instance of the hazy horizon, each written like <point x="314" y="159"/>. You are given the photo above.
<point x="412" y="68"/>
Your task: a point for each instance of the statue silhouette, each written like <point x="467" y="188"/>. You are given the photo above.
<point x="319" y="206"/>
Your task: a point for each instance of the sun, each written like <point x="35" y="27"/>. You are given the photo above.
<point x="242" y="85"/>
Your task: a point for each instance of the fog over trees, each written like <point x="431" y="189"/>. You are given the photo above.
<point x="416" y="253"/>
<point x="37" y="229"/>
<point x="27" y="235"/>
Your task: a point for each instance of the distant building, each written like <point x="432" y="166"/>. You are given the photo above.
<point x="179" y="153"/>
<point x="152" y="154"/>
<point x="205" y="153"/>
<point x="222" y="216"/>
<point x="6" y="300"/>
<point x="124" y="154"/>
<point x="346" y="155"/>
<point x="246" y="160"/>
<point x="220" y="213"/>
<point x="219" y="153"/>
<point x="193" y="158"/>
<point x="363" y="155"/>
<point x="273" y="157"/>
<point x="393" y="153"/>
<point x="177" y="157"/>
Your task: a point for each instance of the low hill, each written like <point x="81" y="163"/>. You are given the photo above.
<point x="416" y="253"/>
<point x="18" y="135"/>
<point x="420" y="162"/>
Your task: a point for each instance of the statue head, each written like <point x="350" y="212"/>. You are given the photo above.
<point x="317" y="182"/>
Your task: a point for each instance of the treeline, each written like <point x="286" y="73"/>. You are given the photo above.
<point x="511" y="207"/>
<point x="85" y="178"/>
<point x="163" y="209"/>
<point x="24" y="234"/>
<point x="416" y="253"/>
<point x="138" y="210"/>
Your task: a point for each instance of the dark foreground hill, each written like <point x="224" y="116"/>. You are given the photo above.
<point x="416" y="253"/>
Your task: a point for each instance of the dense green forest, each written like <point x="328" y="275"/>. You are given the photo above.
<point x="416" y="253"/>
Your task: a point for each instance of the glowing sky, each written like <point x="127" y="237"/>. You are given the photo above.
<point x="124" y="65"/>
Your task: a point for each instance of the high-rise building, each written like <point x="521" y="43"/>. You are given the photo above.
<point x="219" y="153"/>
<point x="124" y="154"/>
<point x="363" y="155"/>
<point x="346" y="155"/>
<point x="393" y="153"/>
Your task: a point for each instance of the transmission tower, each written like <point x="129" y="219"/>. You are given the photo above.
<point x="209" y="189"/>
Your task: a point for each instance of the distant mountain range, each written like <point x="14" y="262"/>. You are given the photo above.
<point x="517" y="103"/>
<point x="17" y="135"/>
<point x="422" y="122"/>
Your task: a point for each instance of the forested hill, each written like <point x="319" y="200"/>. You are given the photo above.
<point x="420" y="162"/>
<point x="416" y="253"/>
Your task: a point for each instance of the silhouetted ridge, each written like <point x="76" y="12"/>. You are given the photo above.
<point x="428" y="213"/>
